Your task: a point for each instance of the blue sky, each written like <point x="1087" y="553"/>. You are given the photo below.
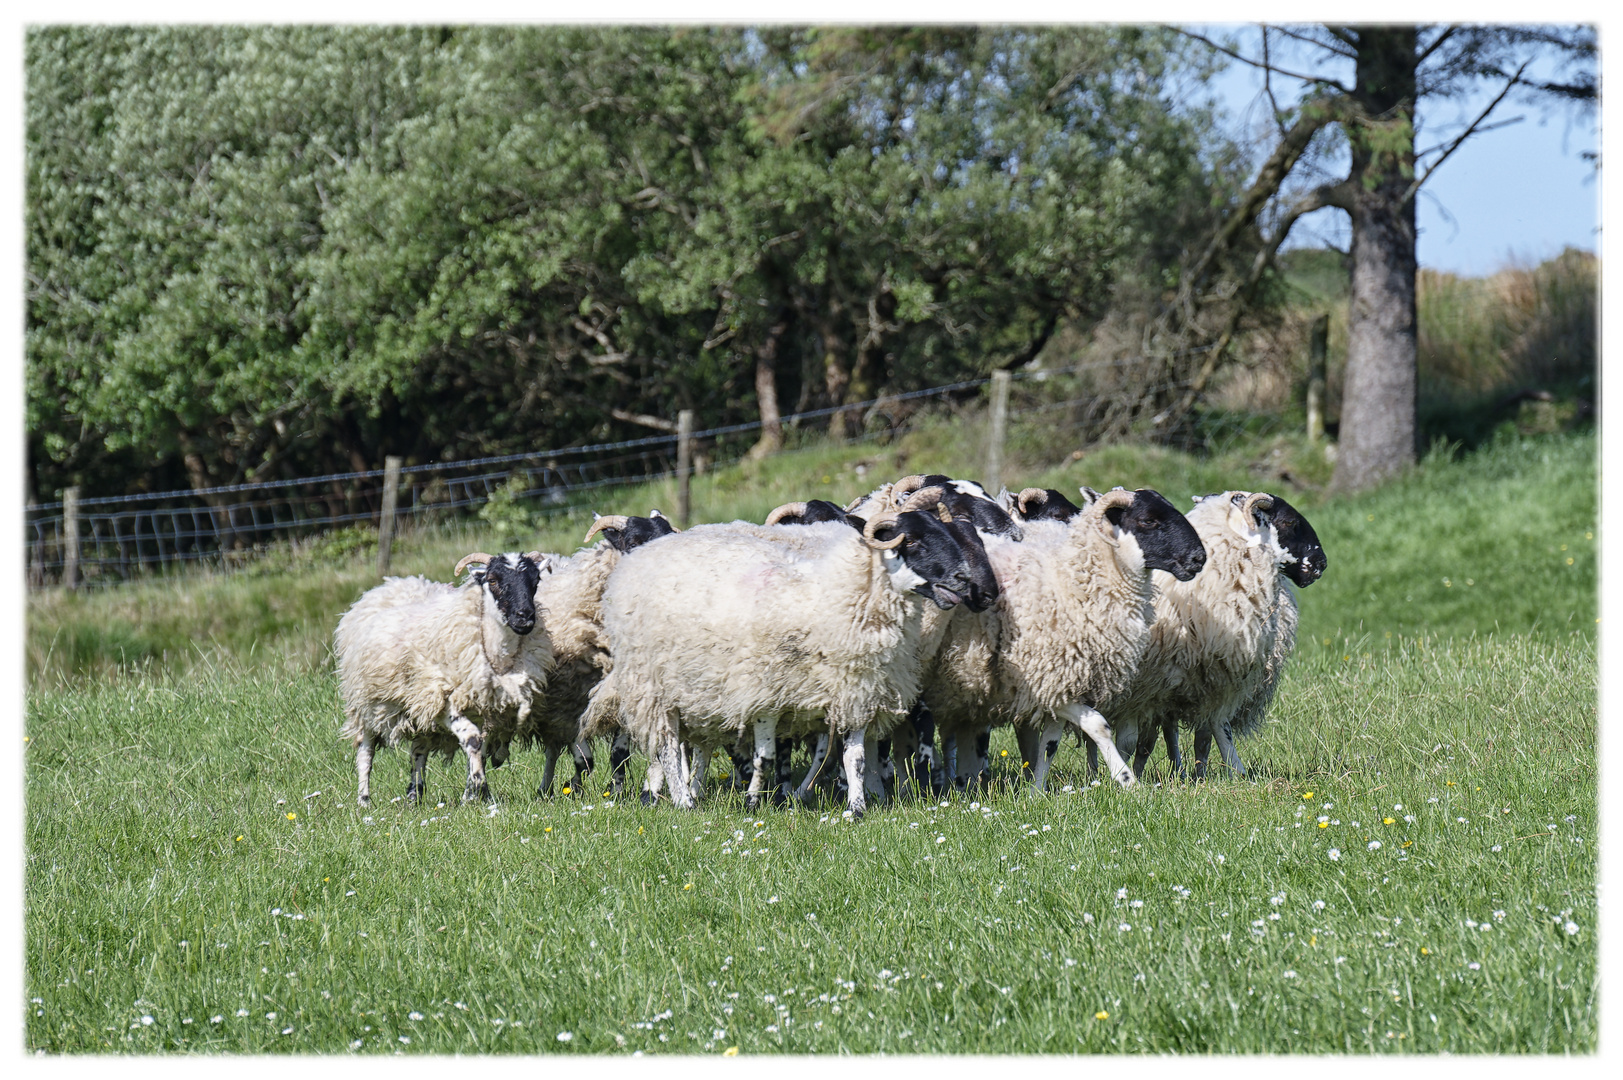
<point x="1519" y="193"/>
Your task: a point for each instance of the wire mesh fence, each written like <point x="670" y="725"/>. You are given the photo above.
<point x="128" y="537"/>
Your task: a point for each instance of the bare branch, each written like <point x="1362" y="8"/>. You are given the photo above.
<point x="1342" y="34"/>
<point x="1318" y="79"/>
<point x="655" y="422"/>
<point x="1325" y="45"/>
<point x="1268" y="85"/>
<point x="1485" y="127"/>
<point x="1435" y="45"/>
<point x="1510" y="84"/>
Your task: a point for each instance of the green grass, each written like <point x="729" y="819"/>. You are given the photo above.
<point x="142" y="902"/>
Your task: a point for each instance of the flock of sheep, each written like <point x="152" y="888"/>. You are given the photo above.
<point x="903" y="628"/>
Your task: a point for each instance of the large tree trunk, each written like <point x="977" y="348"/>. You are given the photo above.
<point x="1377" y="436"/>
<point x="766" y="392"/>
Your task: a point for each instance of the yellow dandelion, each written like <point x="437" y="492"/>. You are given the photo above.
<point x="639" y="830"/>
<point x="1424" y="951"/>
<point x="1101" y="1015"/>
<point x="688" y="886"/>
<point x="1388" y="821"/>
<point x="547" y="829"/>
<point x="1307" y="794"/>
<point x="566" y="789"/>
<point x="239" y="838"/>
<point x="1313" y="940"/>
<point x="291" y="815"/>
<point x="1324" y="824"/>
<point x="1408" y="843"/>
<point x="1449" y="783"/>
<point x="1025" y="764"/>
<point x="326" y="879"/>
<point x="1569" y="560"/>
<point x="731" y="1051"/>
<point x="1005" y="753"/>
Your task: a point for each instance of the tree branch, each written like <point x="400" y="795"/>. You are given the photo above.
<point x="1320" y="79"/>
<point x="1466" y="134"/>
<point x="1348" y="53"/>
<point x="1268" y="86"/>
<point x="1435" y="45"/>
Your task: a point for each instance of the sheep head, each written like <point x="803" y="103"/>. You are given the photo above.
<point x="1147" y="521"/>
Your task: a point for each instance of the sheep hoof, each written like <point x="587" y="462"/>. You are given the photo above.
<point x="649" y="798"/>
<point x="752" y="802"/>
<point x="364" y="801"/>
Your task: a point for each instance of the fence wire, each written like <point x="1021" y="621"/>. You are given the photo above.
<point x="126" y="537"/>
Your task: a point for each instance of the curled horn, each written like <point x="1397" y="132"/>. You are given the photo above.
<point x="904" y="487"/>
<point x="541" y="561"/>
<point x="467" y="560"/>
<point x="610" y="521"/>
<point x="927" y="499"/>
<point x="877" y="522"/>
<point x="1257" y="500"/>
<point x="1036" y="495"/>
<point x="786" y="510"/>
<point x="1110" y="500"/>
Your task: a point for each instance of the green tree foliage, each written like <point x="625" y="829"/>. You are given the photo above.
<point x="275" y="251"/>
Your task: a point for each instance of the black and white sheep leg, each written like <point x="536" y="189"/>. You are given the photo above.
<point x="1097" y="729"/>
<point x="584" y="763"/>
<point x="819" y="756"/>
<point x="674" y="770"/>
<point x="1046" y="746"/>
<point x="764" y="761"/>
<point x="364" y="748"/>
<point x="417" y="789"/>
<point x="473" y="745"/>
<point x="855" y="768"/>
<point x="873" y="781"/>
<point x="619" y="759"/>
<point x="701" y="769"/>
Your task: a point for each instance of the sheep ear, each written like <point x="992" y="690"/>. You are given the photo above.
<point x="655" y="514"/>
<point x="1089" y="496"/>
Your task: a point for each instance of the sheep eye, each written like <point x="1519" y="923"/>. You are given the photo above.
<point x="495" y="588"/>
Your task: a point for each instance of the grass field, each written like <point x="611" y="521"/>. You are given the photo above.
<point x="1410" y="868"/>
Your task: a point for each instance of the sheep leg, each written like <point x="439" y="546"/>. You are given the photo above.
<point x="1145" y="747"/>
<point x="740" y="777"/>
<point x="1026" y="741"/>
<point x="1093" y="759"/>
<point x="619" y="758"/>
<point x="1225" y="746"/>
<point x="582" y="753"/>
<point x="1174" y="758"/>
<point x="364" y="749"/>
<point x="496" y="753"/>
<point x="675" y="772"/>
<point x="547" y="771"/>
<point x="785" y="782"/>
<point x="418" y="787"/>
<point x="819" y="755"/>
<point x="1097" y="728"/>
<point x="949" y="763"/>
<point x="701" y="769"/>
<point x="885" y="768"/>
<point x="856" y="766"/>
<point x="983" y="756"/>
<point x="1126" y="741"/>
<point x="872" y="783"/>
<point x="765" y="760"/>
<point x="1203" y="751"/>
<point x="473" y="745"/>
<point x="1047" y="747"/>
<point x="653" y="781"/>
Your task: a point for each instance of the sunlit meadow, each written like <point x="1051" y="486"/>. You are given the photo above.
<point x="1410" y="867"/>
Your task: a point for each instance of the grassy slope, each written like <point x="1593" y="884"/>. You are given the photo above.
<point x="139" y="788"/>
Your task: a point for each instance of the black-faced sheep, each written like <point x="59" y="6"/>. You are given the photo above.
<point x="730" y="628"/>
<point x="442" y="666"/>
<point x="1221" y="641"/>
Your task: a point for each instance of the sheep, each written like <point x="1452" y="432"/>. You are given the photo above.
<point x="1221" y="642"/>
<point x="1040" y="504"/>
<point x="571" y="599"/>
<point x="429" y="662"/>
<point x="965" y="514"/>
<point x="1069" y="628"/>
<point x="728" y="628"/>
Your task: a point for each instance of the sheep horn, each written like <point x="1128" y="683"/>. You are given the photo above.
<point x="608" y="521"/>
<point x="1258" y="500"/>
<point x="922" y="499"/>
<point x="1036" y="495"/>
<point x="467" y="560"/>
<point x="1115" y="497"/>
<point x="542" y="563"/>
<point x="877" y="522"/>
<point x="786" y="510"/>
<point x="904" y="487"/>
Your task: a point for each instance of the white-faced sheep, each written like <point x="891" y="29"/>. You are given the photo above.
<point x="442" y="666"/>
<point x="728" y="628"/>
<point x="1072" y="621"/>
<point x="1221" y="641"/>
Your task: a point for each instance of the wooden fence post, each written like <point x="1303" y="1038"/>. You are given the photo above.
<point x="684" y="461"/>
<point x="70" y="537"/>
<point x="1000" y="421"/>
<point x="1318" y="346"/>
<point x="391" y="496"/>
